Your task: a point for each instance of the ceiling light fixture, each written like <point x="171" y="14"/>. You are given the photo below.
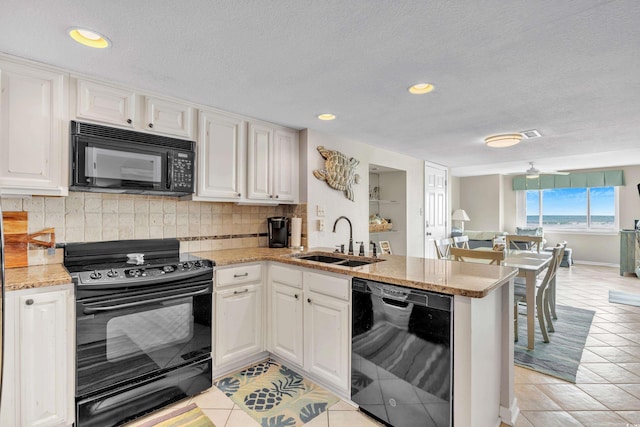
<point x="503" y="140"/>
<point x="327" y="116"/>
<point x="421" y="88"/>
<point x="89" y="37"/>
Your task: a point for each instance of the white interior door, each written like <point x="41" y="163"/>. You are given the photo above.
<point x="435" y="185"/>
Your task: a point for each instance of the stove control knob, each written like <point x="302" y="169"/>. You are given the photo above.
<point x="112" y="273"/>
<point x="198" y="264"/>
<point x="144" y="274"/>
<point x="168" y="268"/>
<point x="134" y="273"/>
<point x="188" y="265"/>
<point x="95" y="275"/>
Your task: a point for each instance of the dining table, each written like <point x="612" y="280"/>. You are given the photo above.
<point x="529" y="265"/>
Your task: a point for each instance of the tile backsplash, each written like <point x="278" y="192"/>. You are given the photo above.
<point x="200" y="226"/>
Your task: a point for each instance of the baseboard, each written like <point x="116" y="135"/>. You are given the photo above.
<point x="510" y="415"/>
<point x="219" y="371"/>
<point x="599" y="264"/>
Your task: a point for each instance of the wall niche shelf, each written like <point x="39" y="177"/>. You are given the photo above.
<point x="387" y="199"/>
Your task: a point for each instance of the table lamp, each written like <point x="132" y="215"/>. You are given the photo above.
<point x="460" y="215"/>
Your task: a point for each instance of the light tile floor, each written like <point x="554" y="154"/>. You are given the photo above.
<point x="606" y="393"/>
<point x="224" y="413"/>
<point x="607" y="389"/>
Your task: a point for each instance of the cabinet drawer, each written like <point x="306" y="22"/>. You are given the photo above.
<point x="288" y="276"/>
<point x="238" y="275"/>
<point x="327" y="285"/>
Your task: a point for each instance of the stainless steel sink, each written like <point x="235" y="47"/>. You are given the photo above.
<point x="337" y="259"/>
<point x="355" y="262"/>
<point x="321" y="258"/>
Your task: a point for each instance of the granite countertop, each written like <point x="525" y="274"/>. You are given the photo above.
<point x="448" y="277"/>
<point x="35" y="276"/>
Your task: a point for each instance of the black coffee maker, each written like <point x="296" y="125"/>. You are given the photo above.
<point x="278" y="228"/>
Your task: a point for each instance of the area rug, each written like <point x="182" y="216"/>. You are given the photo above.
<point x="189" y="416"/>
<point x="276" y="396"/>
<point x="627" y="298"/>
<point x="561" y="356"/>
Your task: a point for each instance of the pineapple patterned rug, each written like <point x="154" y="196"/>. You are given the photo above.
<point x="276" y="396"/>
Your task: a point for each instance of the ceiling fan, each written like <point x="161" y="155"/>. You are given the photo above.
<point x="534" y="172"/>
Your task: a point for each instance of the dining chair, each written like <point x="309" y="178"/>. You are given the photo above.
<point x="442" y="247"/>
<point x="552" y="285"/>
<point x="461" y="242"/>
<point x="523" y="243"/>
<point x="461" y="254"/>
<point x="542" y="295"/>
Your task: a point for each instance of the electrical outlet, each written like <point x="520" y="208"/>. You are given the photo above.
<point x="321" y="225"/>
<point x="320" y="210"/>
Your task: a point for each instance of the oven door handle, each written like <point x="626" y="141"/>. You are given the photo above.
<point x="93" y="310"/>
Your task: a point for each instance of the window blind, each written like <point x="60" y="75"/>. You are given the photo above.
<point x="614" y="178"/>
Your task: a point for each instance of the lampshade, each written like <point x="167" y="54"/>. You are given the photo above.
<point x="503" y="140"/>
<point x="460" y="215"/>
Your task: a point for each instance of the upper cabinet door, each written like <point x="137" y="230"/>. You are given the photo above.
<point x="220" y="156"/>
<point x="105" y="104"/>
<point x="285" y="165"/>
<point x="168" y="117"/>
<point x="33" y="130"/>
<point x="260" y="162"/>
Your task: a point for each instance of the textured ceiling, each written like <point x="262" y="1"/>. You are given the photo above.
<point x="570" y="69"/>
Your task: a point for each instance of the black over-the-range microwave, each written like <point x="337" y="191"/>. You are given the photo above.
<point x="106" y="159"/>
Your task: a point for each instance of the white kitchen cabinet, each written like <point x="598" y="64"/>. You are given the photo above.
<point x="123" y="107"/>
<point x="221" y="156"/>
<point x="239" y="314"/>
<point x="285" y="165"/>
<point x="309" y="322"/>
<point x="326" y="333"/>
<point x="168" y="117"/>
<point x="272" y="159"/>
<point x="39" y="376"/>
<point x="33" y="130"/>
<point x="105" y="104"/>
<point x="286" y="313"/>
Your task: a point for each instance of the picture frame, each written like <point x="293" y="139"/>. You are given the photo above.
<point x="385" y="247"/>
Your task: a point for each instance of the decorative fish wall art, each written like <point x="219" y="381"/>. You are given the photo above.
<point x="339" y="171"/>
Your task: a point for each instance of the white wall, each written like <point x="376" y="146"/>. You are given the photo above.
<point x="481" y="197"/>
<point x="336" y="204"/>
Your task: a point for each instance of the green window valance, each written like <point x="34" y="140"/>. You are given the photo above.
<point x="613" y="178"/>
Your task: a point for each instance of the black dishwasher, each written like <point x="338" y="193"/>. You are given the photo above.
<point x="402" y="354"/>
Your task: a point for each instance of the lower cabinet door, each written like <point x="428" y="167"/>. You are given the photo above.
<point x="286" y="322"/>
<point x="238" y="323"/>
<point x="326" y="335"/>
<point x="44" y="359"/>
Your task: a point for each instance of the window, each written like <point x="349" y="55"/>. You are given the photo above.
<point x="573" y="208"/>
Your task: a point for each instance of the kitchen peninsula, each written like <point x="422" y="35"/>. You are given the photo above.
<point x="483" y="323"/>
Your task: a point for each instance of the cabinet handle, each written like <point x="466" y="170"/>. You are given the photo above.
<point x="29" y="301"/>
<point x="295" y="295"/>
<point x="240" y="292"/>
<point x="277" y="196"/>
<point x="271" y="196"/>
<point x="239" y="194"/>
<point x="235" y="276"/>
<point x="150" y="125"/>
<point x="309" y="300"/>
<point x="129" y="121"/>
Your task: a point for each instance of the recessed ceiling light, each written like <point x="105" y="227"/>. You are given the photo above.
<point x="421" y="88"/>
<point x="503" y="140"/>
<point x="327" y="116"/>
<point x="89" y="37"/>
